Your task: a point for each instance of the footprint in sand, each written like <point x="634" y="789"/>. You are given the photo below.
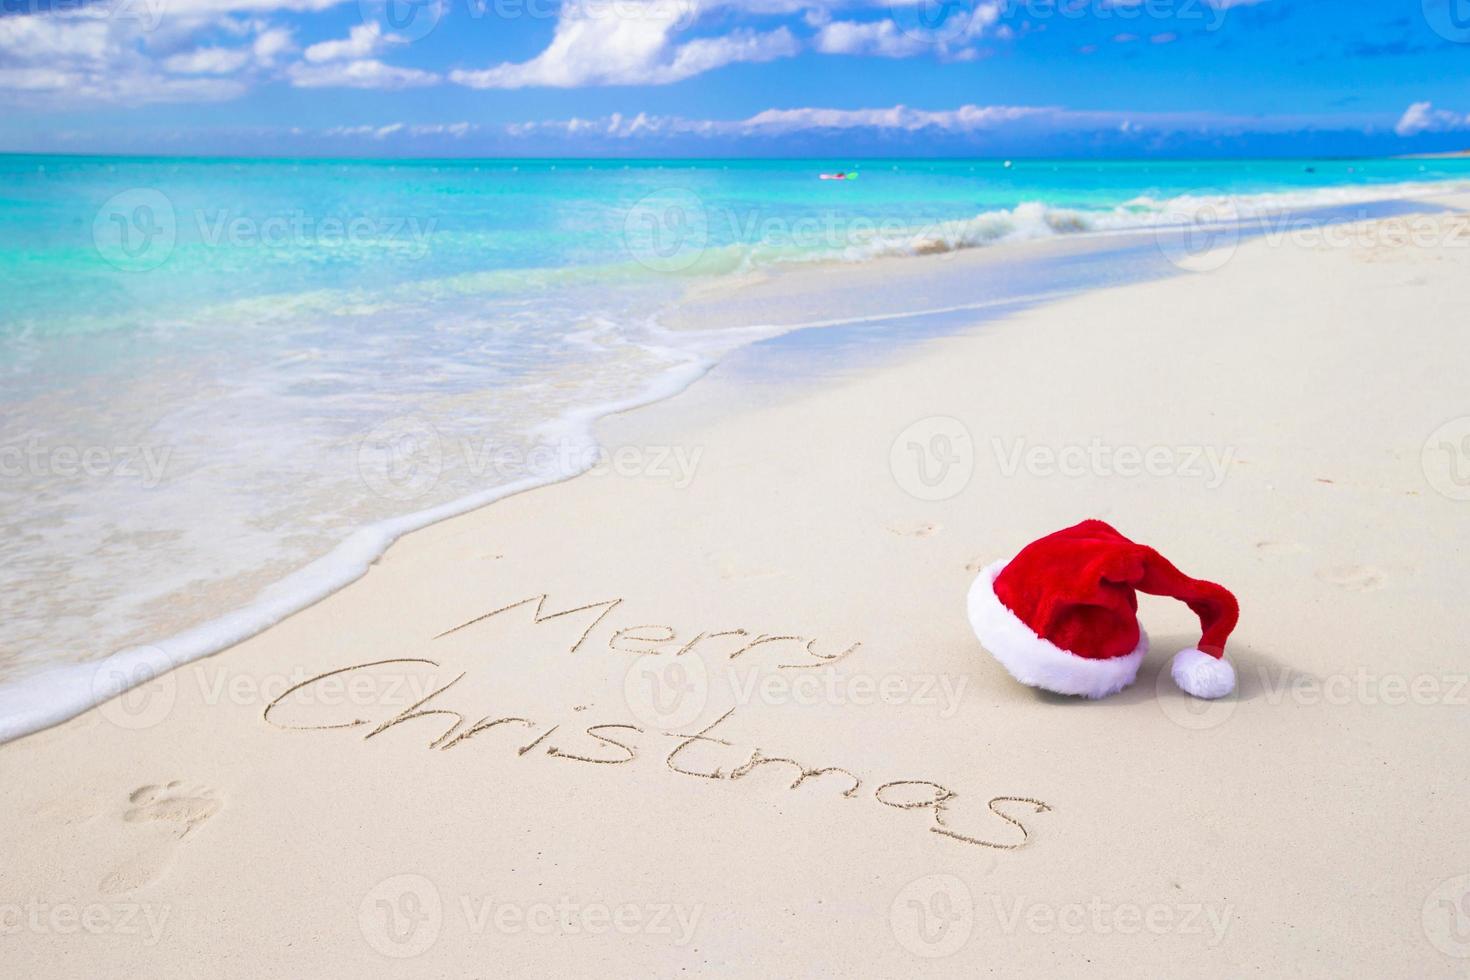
<point x="925" y="529"/>
<point x="1353" y="578"/>
<point x="164" y="813"/>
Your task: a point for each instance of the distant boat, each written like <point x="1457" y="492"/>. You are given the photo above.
<point x="839" y="175"/>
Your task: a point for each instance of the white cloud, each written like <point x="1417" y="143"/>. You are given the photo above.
<point x="620" y="126"/>
<point x="636" y="42"/>
<point x="456" y="130"/>
<point x="170" y="50"/>
<point x="708" y="53"/>
<point x="631" y="43"/>
<point x="268" y="43"/>
<point x="879" y="37"/>
<point x="34" y="79"/>
<point x="909" y="32"/>
<point x="271" y="42"/>
<point x="901" y="120"/>
<point x="362" y="41"/>
<point x="964" y="119"/>
<point x="364" y="73"/>
<point x="1423" y="117"/>
<point x="210" y="9"/>
<point x="87" y="54"/>
<point x="967" y="118"/>
<point x="48" y="38"/>
<point x="208" y="61"/>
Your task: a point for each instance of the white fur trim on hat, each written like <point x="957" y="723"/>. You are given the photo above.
<point x="1202" y="675"/>
<point x="1037" y="662"/>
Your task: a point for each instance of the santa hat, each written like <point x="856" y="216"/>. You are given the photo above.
<point x="1062" y="615"/>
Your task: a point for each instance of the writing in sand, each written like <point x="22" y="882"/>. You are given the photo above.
<point x="706" y="753"/>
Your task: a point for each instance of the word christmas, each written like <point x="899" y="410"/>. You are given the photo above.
<point x="705" y="754"/>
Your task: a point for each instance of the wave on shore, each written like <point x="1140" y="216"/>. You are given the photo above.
<point x="298" y="434"/>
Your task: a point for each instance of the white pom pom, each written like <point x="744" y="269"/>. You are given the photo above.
<point x="1202" y="675"/>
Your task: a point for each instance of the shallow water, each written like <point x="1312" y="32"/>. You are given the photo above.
<point x="229" y="378"/>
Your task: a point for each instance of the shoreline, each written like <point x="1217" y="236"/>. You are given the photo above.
<point x="788" y="298"/>
<point x="504" y="693"/>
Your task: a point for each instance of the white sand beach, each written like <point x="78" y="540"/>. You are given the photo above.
<point x="717" y="707"/>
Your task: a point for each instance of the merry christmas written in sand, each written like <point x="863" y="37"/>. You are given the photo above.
<point x="709" y="751"/>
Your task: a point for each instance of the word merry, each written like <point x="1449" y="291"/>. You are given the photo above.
<point x="658" y="638"/>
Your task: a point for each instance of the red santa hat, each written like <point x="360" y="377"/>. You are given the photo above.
<point x="1062" y="615"/>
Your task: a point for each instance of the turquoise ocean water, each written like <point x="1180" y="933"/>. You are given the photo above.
<point x="226" y="384"/>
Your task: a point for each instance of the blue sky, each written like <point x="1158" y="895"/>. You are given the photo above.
<point x="717" y="77"/>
